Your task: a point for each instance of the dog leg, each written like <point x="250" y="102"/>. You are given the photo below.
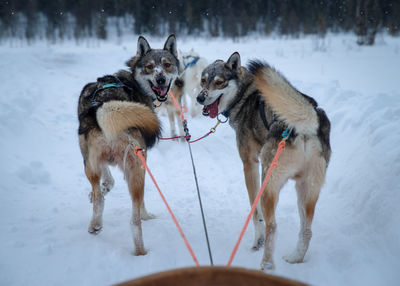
<point x="107" y="180"/>
<point x="184" y="100"/>
<point x="144" y="215"/>
<point x="269" y="201"/>
<point x="171" y="110"/>
<point x="135" y="177"/>
<point x="193" y="90"/>
<point x="195" y="107"/>
<point x="96" y="224"/>
<point x="180" y="126"/>
<point x="308" y="187"/>
<point x="252" y="178"/>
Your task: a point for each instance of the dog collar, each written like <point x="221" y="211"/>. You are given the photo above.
<point x="227" y="111"/>
<point x="191" y="63"/>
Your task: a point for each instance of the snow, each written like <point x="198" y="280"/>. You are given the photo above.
<point x="44" y="206"/>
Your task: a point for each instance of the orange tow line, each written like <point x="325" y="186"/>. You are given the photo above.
<point x="274" y="163"/>
<point x="139" y="153"/>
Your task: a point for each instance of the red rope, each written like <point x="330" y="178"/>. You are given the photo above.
<point x="198" y="139"/>
<point x="274" y="163"/>
<point x="172" y="138"/>
<point x="191" y="141"/>
<point x="139" y="153"/>
<point x="183" y="109"/>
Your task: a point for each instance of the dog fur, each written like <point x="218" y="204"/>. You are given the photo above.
<point x="243" y="95"/>
<point x="190" y="75"/>
<point x="185" y="89"/>
<point x="172" y="111"/>
<point x="110" y="117"/>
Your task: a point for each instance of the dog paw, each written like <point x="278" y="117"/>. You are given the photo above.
<point x="147" y="216"/>
<point x="139" y="252"/>
<point x="293" y="258"/>
<point x="267" y="266"/>
<point x="95" y="229"/>
<point x="258" y="244"/>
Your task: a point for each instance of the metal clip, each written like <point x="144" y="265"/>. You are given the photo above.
<point x="227" y="118"/>
<point x="215" y="127"/>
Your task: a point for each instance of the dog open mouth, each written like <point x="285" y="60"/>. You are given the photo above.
<point x="161" y="92"/>
<point x="212" y="109"/>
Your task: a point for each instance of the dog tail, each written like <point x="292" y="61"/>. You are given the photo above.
<point x="294" y="108"/>
<point x="115" y="117"/>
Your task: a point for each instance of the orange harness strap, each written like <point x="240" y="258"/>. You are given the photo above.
<point x="182" y="108"/>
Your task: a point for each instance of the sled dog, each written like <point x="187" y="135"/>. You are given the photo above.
<point x="260" y="104"/>
<point x="118" y="110"/>
<point x="185" y="89"/>
<point x="172" y="111"/>
<point x="191" y="65"/>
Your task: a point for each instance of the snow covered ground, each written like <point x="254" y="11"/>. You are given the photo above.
<point x="44" y="207"/>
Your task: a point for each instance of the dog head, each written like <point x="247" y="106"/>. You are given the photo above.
<point x="155" y="70"/>
<point x="219" y="83"/>
<point x="187" y="57"/>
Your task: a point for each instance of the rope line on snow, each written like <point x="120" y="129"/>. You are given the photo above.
<point x="139" y="152"/>
<point x="274" y="163"/>
<point x="187" y="136"/>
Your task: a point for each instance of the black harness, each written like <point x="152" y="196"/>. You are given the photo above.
<point x="227" y="111"/>
<point x="117" y="84"/>
<point x="261" y="110"/>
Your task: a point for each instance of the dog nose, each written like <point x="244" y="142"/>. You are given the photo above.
<point x="202" y="96"/>
<point x="160" y="80"/>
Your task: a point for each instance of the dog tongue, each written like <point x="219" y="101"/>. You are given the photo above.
<point x="162" y="91"/>
<point x="213" y="109"/>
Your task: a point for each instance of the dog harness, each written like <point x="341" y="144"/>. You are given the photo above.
<point x="191" y="63"/>
<point x="261" y="110"/>
<point x="118" y="84"/>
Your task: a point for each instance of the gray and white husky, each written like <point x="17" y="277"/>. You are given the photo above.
<point x="261" y="104"/>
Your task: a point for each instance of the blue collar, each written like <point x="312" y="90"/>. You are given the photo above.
<point x="191" y="63"/>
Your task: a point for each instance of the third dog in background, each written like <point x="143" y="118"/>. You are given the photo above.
<point x="191" y="65"/>
<point x="185" y="88"/>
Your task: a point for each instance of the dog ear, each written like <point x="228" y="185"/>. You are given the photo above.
<point x="233" y="62"/>
<point x="142" y="46"/>
<point x="170" y="45"/>
<point x="131" y="63"/>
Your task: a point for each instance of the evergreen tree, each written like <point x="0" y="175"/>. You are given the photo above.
<point x="228" y="18"/>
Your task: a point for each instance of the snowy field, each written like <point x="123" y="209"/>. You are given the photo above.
<point x="44" y="206"/>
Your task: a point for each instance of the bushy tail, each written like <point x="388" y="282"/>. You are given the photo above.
<point x="289" y="104"/>
<point x="115" y="117"/>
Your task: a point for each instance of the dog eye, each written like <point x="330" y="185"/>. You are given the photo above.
<point x="219" y="82"/>
<point x="149" y="67"/>
<point x="203" y="81"/>
<point x="167" y="65"/>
